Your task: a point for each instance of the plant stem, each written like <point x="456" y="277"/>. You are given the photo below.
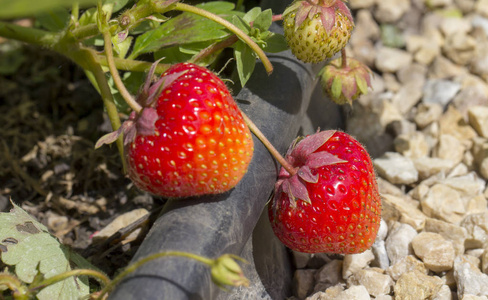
<point x="115" y="74"/>
<point x="131" y="268"/>
<point x="19" y="290"/>
<point x="277" y="18"/>
<point x="231" y="27"/>
<point x="344" y="58"/>
<point x="132" y="65"/>
<point x="86" y="31"/>
<point x="95" y="71"/>
<point x="214" y="48"/>
<point x="288" y="167"/>
<point x="75" y="12"/>
<point x="60" y="277"/>
<point x="29" y="35"/>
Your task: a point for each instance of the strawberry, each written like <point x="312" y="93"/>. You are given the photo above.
<point x="345" y="83"/>
<point x="190" y="139"/>
<point x="332" y="203"/>
<point x="317" y="29"/>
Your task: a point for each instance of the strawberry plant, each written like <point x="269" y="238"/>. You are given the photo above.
<point x="180" y="133"/>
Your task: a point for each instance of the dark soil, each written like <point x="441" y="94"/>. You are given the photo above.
<point x="51" y="117"/>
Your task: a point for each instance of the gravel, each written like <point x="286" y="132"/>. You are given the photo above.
<point x="426" y="125"/>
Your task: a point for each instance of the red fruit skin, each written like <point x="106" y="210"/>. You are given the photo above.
<point x="201" y="144"/>
<point x="345" y="210"/>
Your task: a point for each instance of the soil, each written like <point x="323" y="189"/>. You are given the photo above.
<point x="52" y="117"/>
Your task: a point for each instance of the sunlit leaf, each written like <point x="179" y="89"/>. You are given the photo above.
<point x="185" y="28"/>
<point x="28" y="245"/>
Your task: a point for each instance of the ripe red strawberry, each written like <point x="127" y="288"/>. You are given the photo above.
<point x="199" y="143"/>
<point x="317" y="29"/>
<point x="332" y="203"/>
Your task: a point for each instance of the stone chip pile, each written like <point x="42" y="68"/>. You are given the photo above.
<point x="426" y="125"/>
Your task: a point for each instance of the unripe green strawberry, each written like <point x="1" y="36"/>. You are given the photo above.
<point x="317" y="29"/>
<point x="345" y="84"/>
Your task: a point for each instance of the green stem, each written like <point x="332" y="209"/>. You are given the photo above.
<point x="214" y="48"/>
<point x="86" y="31"/>
<point x="231" y="27"/>
<point x="29" y="35"/>
<point x="19" y="291"/>
<point x="79" y="272"/>
<point x="131" y="268"/>
<point x="288" y="167"/>
<point x="75" y="12"/>
<point x="132" y="65"/>
<point x="115" y="74"/>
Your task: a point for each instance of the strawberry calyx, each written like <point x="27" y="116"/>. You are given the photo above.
<point x="303" y="157"/>
<point x="345" y="83"/>
<point x="144" y="121"/>
<point x="325" y="8"/>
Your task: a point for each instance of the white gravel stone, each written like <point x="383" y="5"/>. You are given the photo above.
<point x="436" y="252"/>
<point x="398" y="242"/>
<point x="429" y="166"/>
<point x="391" y="10"/>
<point x="444" y="203"/>
<point x="391" y="60"/>
<point x="469" y="278"/>
<point x="412" y="145"/>
<point x="355" y="292"/>
<point x="449" y="148"/>
<point x="478" y="119"/>
<point x="416" y="285"/>
<point x="476" y="226"/>
<point x="440" y="91"/>
<point x="456" y="234"/>
<point x="354" y="262"/>
<point x="427" y="113"/>
<point x="396" y="168"/>
<point x="407" y="264"/>
<point x="373" y="280"/>
<point x="402" y="210"/>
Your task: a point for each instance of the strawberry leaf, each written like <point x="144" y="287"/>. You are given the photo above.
<point x="362" y="84"/>
<point x="275" y="43"/>
<point x="310" y="144"/>
<point x="305" y="173"/>
<point x="264" y="20"/>
<point x="295" y="189"/>
<point x="145" y="123"/>
<point x="322" y="158"/>
<point x="28" y="246"/>
<point x="245" y="61"/>
<point x="342" y="7"/>
<point x="327" y="17"/>
<point x="186" y="28"/>
<point x="336" y="88"/>
<point x="251" y="15"/>
<point x="302" y="14"/>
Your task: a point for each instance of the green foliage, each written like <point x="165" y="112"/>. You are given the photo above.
<point x="28" y="246"/>
<point x="25" y="8"/>
<point x="186" y="29"/>
<point x="268" y="41"/>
